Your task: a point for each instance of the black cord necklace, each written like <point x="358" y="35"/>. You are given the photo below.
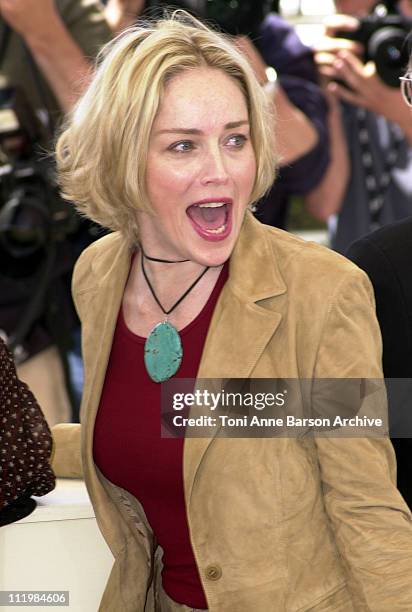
<point x="168" y="261"/>
<point x="163" y="350"/>
<point x="149" y="284"/>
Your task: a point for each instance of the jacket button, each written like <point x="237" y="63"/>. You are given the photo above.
<point x="213" y="572"/>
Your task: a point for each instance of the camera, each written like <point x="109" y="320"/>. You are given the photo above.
<point x="232" y="16"/>
<point x="32" y="214"/>
<point x="384" y="40"/>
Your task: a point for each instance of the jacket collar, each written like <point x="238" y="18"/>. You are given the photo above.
<point x="254" y="270"/>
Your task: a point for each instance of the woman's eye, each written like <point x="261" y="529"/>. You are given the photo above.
<point x="182" y="147"/>
<point x="237" y="140"/>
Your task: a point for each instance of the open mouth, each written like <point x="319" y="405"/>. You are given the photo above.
<point x="211" y="220"/>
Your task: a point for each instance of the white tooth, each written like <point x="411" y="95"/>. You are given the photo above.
<point x="218" y="230"/>
<point x="212" y="205"/>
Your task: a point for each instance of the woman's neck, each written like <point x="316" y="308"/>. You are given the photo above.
<point x="169" y="281"/>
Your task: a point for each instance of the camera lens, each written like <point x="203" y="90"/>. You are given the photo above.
<point x="387" y="49"/>
<point x="24" y="224"/>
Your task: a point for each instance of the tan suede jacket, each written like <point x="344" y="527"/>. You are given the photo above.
<point x="291" y="524"/>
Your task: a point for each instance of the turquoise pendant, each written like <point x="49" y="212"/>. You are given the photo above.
<point x="163" y="352"/>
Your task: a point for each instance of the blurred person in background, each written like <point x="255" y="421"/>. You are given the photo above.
<point x="374" y="135"/>
<point x="385" y="257"/>
<point x="46" y="53"/>
<point x="301" y="130"/>
<point x="25" y="445"/>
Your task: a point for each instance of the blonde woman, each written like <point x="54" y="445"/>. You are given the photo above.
<point x="168" y="148"/>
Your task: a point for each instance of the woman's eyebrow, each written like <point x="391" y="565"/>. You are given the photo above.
<point x="229" y="126"/>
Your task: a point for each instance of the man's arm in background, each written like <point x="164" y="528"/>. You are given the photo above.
<point x="63" y="43"/>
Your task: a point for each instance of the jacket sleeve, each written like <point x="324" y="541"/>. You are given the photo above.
<point x="66" y="458"/>
<point x="371" y="522"/>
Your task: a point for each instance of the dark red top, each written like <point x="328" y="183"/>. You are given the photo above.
<point x="129" y="451"/>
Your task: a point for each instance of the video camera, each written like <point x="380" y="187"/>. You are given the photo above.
<point x="32" y="214"/>
<point x="232" y="16"/>
<point x="383" y="37"/>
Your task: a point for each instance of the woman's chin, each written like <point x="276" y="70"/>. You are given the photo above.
<point x="213" y="255"/>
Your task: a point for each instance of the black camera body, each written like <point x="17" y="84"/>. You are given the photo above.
<point x="231" y="16"/>
<point x="32" y="214"/>
<point x="384" y="42"/>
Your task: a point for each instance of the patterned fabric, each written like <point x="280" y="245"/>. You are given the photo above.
<point x="25" y="439"/>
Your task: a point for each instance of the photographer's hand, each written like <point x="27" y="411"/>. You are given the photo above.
<point x="295" y="134"/>
<point x="55" y="51"/>
<point x="365" y="89"/>
<point x="328" y="47"/>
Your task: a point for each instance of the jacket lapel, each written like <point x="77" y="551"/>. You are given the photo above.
<point x="242" y="324"/>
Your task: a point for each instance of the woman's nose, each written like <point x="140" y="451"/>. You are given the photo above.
<point x="214" y="168"/>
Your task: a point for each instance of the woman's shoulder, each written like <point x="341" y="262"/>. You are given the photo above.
<point x="271" y="262"/>
<point x="96" y="260"/>
<point x="308" y="260"/>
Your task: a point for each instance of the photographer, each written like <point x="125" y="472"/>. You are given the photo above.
<point x="376" y="124"/>
<point x="46" y="48"/>
<point x="268" y="41"/>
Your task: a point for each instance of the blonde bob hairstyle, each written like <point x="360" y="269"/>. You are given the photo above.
<point x="102" y="150"/>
